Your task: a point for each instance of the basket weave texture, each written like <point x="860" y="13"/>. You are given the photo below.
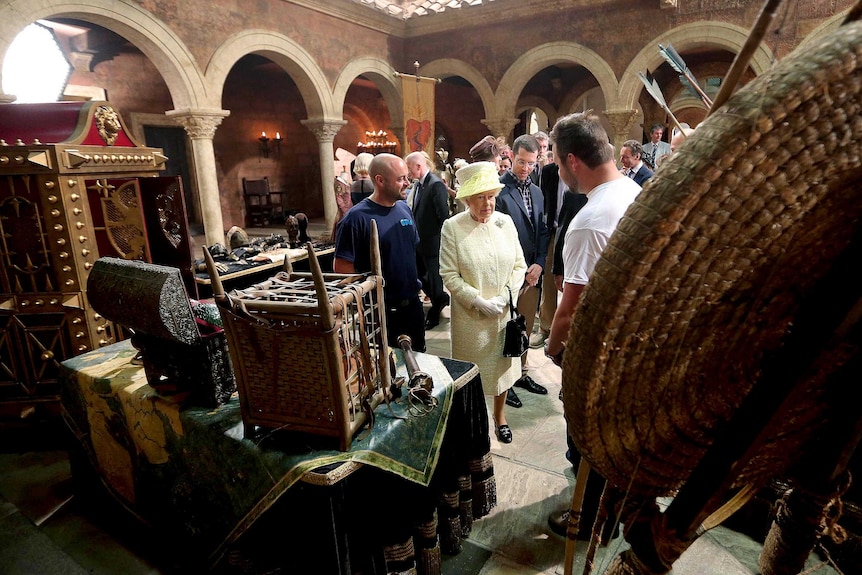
<point x="737" y="240"/>
<point x="295" y="372"/>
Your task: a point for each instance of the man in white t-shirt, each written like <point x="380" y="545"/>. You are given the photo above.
<point x="586" y="163"/>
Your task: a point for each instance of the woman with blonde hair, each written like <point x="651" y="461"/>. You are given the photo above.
<point x="362" y="186"/>
<point x="482" y="263"/>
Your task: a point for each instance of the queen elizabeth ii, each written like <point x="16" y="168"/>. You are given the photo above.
<point x="481" y="263"/>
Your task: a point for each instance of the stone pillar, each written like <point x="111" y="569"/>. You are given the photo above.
<point x="397" y="131"/>
<point x="621" y="123"/>
<point x="324" y="131"/>
<point x="200" y="125"/>
<point x="501" y="127"/>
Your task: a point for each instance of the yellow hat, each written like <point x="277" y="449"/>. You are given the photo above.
<point x="478" y="178"/>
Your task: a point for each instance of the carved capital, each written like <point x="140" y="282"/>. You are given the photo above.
<point x="500" y="127"/>
<point x="621" y="120"/>
<point x="667" y="4"/>
<point x="324" y="130"/>
<point x="199" y="124"/>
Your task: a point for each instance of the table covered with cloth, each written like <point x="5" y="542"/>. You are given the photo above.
<point x="190" y="473"/>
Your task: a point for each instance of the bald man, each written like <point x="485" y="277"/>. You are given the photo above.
<point x="398" y="240"/>
<point x="430" y="210"/>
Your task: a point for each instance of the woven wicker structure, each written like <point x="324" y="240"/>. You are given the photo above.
<point x="309" y="349"/>
<point x="726" y="304"/>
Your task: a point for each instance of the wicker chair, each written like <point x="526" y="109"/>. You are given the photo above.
<point x="309" y="349"/>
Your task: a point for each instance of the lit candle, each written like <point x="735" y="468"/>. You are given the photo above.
<point x="263" y="134"/>
<point x="278" y="135"/>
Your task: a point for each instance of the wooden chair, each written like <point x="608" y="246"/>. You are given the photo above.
<point x="260" y="210"/>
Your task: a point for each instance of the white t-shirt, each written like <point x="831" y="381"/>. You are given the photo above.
<point x="592" y="226"/>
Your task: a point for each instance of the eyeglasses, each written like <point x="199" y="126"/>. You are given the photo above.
<point x="525" y="164"/>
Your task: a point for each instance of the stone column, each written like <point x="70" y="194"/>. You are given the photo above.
<point x="324" y="131"/>
<point x="397" y="132"/>
<point x="200" y="125"/>
<point x="621" y="123"/>
<point x="501" y="127"/>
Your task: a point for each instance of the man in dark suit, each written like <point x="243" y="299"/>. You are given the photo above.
<point x="542" y="159"/>
<point x="522" y="200"/>
<point x="633" y="166"/>
<point x="430" y="210"/>
<point x="553" y="191"/>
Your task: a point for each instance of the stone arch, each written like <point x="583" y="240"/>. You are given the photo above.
<point x="696" y="34"/>
<point x="824" y="28"/>
<point x="570" y="103"/>
<point x="378" y="71"/>
<point x="525" y="67"/>
<point x="687" y="101"/>
<point x="154" y="38"/>
<point x="447" y="67"/>
<point x="530" y="102"/>
<point x="289" y="55"/>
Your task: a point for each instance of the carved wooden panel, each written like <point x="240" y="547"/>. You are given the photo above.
<point x="32" y="345"/>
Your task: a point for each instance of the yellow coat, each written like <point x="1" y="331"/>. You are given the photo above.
<point x="481" y="260"/>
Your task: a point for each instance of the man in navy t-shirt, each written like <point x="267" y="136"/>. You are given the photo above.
<point x="398" y="239"/>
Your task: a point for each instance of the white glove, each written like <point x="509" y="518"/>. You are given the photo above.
<point x="490" y="307"/>
<point x="503" y="301"/>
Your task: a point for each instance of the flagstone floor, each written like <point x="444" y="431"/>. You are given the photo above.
<point x="45" y="528"/>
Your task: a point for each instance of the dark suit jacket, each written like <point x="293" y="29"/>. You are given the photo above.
<point x="572" y="203"/>
<point x="550" y="183"/>
<point x="430" y="209"/>
<point x="533" y="234"/>
<point x="642" y="175"/>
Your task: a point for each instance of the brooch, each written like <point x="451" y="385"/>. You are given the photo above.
<point x="499" y="223"/>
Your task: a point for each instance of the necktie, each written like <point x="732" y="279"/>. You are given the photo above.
<point x="416" y="193"/>
<point x="524" y="188"/>
<point x="632" y="174"/>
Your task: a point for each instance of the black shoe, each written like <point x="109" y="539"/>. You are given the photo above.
<point x="558" y="521"/>
<point x="431" y="323"/>
<point x="504" y="433"/>
<point x="527" y="383"/>
<point x="512" y="399"/>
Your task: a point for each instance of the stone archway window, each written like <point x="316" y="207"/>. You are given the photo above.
<point x="35" y="48"/>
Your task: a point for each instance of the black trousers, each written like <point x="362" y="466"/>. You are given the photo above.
<point x="408" y="318"/>
<point x="432" y="283"/>
<point x="592" y="496"/>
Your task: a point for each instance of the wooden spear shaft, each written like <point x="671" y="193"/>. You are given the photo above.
<point x="740" y="63"/>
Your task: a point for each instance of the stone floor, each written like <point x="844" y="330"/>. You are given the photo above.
<point x="45" y="529"/>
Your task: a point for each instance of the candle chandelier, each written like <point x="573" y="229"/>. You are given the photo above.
<point x="376" y="143"/>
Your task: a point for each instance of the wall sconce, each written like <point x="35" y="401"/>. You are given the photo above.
<point x="264" y="144"/>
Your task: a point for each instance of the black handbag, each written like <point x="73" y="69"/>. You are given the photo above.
<point x="517" y="341"/>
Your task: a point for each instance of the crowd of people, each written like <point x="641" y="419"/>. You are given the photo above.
<point x="529" y="223"/>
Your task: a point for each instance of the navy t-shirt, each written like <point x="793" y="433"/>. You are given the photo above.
<point x="398" y="239"/>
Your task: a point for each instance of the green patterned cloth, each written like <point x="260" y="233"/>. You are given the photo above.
<point x="191" y="472"/>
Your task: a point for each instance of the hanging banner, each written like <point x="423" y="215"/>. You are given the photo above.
<point x="418" y="104"/>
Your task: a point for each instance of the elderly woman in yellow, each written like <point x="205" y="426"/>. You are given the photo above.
<point x="480" y="261"/>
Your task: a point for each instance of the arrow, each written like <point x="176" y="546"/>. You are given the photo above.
<point x="678" y="64"/>
<point x="655" y="92"/>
